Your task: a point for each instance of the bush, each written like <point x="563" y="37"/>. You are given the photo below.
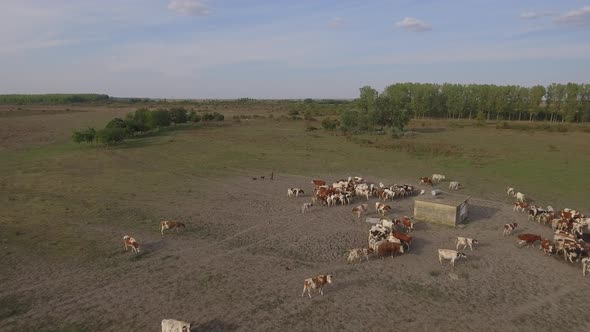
<point x="328" y="124"/>
<point x="213" y="116"/>
<point x="110" y="136"/>
<point x="116" y="123"/>
<point x="159" y="118"/>
<point x="178" y="115"/>
<point x="139" y="120"/>
<point x="88" y="135"/>
<point x="194" y="117"/>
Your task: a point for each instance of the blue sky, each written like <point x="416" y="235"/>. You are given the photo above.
<point x="286" y="49"/>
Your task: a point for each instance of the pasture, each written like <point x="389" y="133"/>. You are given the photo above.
<point x="241" y="262"/>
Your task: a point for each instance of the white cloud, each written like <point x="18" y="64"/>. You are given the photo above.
<point x="534" y="15"/>
<point x="189" y="7"/>
<point x="413" y="24"/>
<point x="336" y="22"/>
<point x="579" y="17"/>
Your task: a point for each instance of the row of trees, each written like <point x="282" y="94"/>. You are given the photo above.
<point x="556" y="102"/>
<point x="141" y="121"/>
<point x="16" y="99"/>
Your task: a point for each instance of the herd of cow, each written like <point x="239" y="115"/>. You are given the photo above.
<point x="568" y="228"/>
<point x="388" y="237"/>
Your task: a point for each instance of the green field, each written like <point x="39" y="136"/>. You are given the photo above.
<point x="69" y="184"/>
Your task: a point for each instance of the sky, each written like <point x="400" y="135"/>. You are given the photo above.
<point x="286" y="48"/>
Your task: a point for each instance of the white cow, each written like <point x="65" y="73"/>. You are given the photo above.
<point x="386" y="223"/>
<point x="455" y="185"/>
<point x="465" y="241"/>
<point x="306" y="207"/>
<point x="585" y="265"/>
<point x="173" y="325"/>
<point x="510" y="191"/>
<point x="450" y="254"/>
<point x="520" y="197"/>
<point x="359" y="254"/>
<point x="438" y="177"/>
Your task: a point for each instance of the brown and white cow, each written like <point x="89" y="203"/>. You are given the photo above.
<point x="426" y="180"/>
<point x="317" y="282"/>
<point x="405" y="238"/>
<point x="130" y="242"/>
<point x="166" y="225"/>
<point x="547" y="246"/>
<point x="360" y="210"/>
<point x="382" y="208"/>
<point x="508" y="228"/>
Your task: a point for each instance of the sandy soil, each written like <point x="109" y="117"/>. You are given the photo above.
<point x="240" y="265"/>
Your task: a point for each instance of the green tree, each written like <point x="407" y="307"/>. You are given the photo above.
<point x="178" y="115"/>
<point x="111" y="136"/>
<point x="159" y="118"/>
<point x="367" y="98"/>
<point x="349" y="120"/>
<point x="88" y="135"/>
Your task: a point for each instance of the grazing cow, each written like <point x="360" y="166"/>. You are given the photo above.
<point x="361" y="209"/>
<point x="585" y="266"/>
<point x="426" y="180"/>
<point x="465" y="241"/>
<point x="382" y="208"/>
<point x="450" y="254"/>
<point x="173" y="325"/>
<point x="170" y="225"/>
<point x="529" y="239"/>
<point x="384" y="248"/>
<point x="455" y="185"/>
<point x="130" y="242"/>
<point x="316" y="283"/>
<point x="547" y="246"/>
<point x="306" y="207"/>
<point x="294" y="191"/>
<point x="358" y="179"/>
<point x="510" y="191"/>
<point x="508" y="228"/>
<point x="359" y="254"/>
<point x="438" y="177"/>
<point x="520" y="197"/>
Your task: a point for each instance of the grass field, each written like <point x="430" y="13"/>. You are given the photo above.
<point x="64" y="203"/>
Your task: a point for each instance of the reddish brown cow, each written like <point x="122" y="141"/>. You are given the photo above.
<point x="318" y="183"/>
<point x="402" y="237"/>
<point x="130" y="242"/>
<point x="529" y="239"/>
<point x="384" y="247"/>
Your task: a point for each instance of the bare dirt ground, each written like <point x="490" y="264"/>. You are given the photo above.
<point x="241" y="263"/>
<point x="35" y="125"/>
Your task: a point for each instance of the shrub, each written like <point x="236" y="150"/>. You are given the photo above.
<point x="110" y="136"/>
<point x="329" y="124"/>
<point x="116" y="123"/>
<point x="139" y="120"/>
<point x="194" y="117"/>
<point x="178" y="115"/>
<point x="213" y="116"/>
<point x="88" y="135"/>
<point x="293" y="113"/>
<point x="159" y="118"/>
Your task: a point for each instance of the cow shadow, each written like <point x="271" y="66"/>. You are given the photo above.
<point x="480" y="213"/>
<point x="154" y="246"/>
<point x="214" y="325"/>
<point x="417" y="246"/>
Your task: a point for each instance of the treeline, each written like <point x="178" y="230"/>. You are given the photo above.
<point x="557" y="102"/>
<point x="139" y="122"/>
<point x="18" y="99"/>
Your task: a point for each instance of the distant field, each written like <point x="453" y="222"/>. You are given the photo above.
<point x="63" y="203"/>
